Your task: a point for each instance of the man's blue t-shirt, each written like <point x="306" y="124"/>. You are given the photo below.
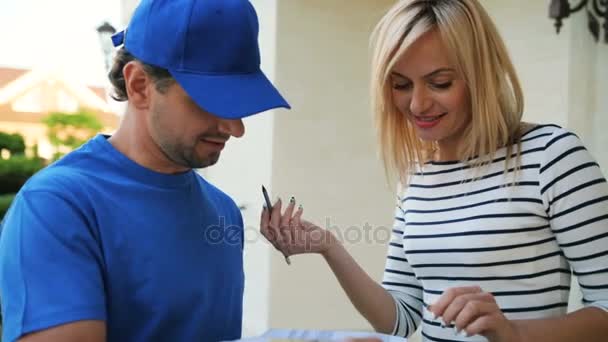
<point x="96" y="236"/>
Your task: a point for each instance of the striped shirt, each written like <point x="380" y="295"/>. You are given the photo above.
<point x="518" y="235"/>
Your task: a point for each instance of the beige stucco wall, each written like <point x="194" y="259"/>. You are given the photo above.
<point x="324" y="153"/>
<point x="564" y="76"/>
<point x="540" y="56"/>
<point x="600" y="118"/>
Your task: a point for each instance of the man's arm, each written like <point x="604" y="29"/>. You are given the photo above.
<point x="51" y="268"/>
<point x="83" y="331"/>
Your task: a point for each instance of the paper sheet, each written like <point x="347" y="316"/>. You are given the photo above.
<point x="285" y="335"/>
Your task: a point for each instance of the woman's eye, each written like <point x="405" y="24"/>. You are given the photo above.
<point x="401" y="86"/>
<point x="444" y="85"/>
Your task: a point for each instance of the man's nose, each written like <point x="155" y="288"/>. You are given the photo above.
<point x="233" y="128"/>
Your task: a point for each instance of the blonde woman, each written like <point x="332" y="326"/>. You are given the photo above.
<point x="493" y="214"/>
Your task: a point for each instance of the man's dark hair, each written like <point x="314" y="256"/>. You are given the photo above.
<point x="161" y="77"/>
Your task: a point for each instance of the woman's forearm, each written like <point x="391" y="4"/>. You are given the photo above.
<point x="588" y="324"/>
<point x="368" y="297"/>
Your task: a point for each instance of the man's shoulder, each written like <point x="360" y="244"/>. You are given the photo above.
<point x="55" y="178"/>
<point x="61" y="178"/>
<point x="72" y="172"/>
<point x="69" y="173"/>
<point x="217" y="195"/>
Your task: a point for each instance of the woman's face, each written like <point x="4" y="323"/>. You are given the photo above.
<point x="427" y="89"/>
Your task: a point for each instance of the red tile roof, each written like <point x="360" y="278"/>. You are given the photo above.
<point x="8" y="75"/>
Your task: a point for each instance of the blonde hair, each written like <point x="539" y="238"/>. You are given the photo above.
<point x="479" y="56"/>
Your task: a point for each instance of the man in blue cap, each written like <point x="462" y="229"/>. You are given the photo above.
<point x="121" y="240"/>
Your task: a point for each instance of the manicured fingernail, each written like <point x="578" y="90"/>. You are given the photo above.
<point x="456" y="330"/>
<point x="292" y="200"/>
<point x="433" y="316"/>
<point x="441" y="322"/>
<point x="300" y="207"/>
<point x="463" y="333"/>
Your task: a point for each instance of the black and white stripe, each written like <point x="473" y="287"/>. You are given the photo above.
<point x="518" y="235"/>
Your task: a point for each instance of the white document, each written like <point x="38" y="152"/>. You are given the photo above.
<point x="317" y="336"/>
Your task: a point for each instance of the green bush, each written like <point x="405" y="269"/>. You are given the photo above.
<point x="71" y="129"/>
<point x="12" y="142"/>
<point x="15" y="171"/>
<point x="5" y="203"/>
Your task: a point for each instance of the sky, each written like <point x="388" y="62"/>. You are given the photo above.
<point x="57" y="35"/>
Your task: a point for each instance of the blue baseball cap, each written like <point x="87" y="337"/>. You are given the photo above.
<point x="211" y="49"/>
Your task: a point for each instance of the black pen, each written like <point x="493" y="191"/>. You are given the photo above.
<point x="269" y="206"/>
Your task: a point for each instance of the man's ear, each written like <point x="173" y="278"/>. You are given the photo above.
<point x="138" y="85"/>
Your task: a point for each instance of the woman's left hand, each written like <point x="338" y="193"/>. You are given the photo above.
<point x="474" y="312"/>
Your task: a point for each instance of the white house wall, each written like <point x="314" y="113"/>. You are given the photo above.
<point x="325" y="154"/>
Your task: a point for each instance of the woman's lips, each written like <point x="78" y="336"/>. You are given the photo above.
<point x="428" y="121"/>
